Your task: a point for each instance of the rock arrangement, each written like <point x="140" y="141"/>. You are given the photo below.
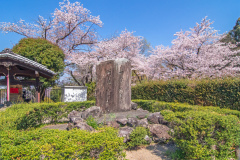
<point x="124" y="121"/>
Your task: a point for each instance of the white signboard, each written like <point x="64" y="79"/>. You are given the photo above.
<point x="74" y="93"/>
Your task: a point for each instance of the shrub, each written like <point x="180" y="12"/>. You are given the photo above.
<point x="137" y="137"/>
<point x="23" y="116"/>
<point x="198" y="133"/>
<point x="215" y="92"/>
<point x="56" y="144"/>
<point x="156" y="106"/>
<point x="92" y="122"/>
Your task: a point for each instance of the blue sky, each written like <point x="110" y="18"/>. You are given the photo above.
<point x="155" y="20"/>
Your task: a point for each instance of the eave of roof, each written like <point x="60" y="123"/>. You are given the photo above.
<point x="7" y="53"/>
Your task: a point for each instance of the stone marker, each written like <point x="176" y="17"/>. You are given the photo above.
<point x="113" y="90"/>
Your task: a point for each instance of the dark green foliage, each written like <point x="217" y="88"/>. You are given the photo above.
<point x="55" y="94"/>
<point x="41" y="51"/>
<point x="45" y="53"/>
<point x="137" y="137"/>
<point x="55" y="144"/>
<point x="224" y="93"/>
<point x="92" y="122"/>
<point x="233" y="36"/>
<point x="91" y="91"/>
<point x="23" y="116"/>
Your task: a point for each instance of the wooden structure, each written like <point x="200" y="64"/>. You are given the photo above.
<point x="15" y="67"/>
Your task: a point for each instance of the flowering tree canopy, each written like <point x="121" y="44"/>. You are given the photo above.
<point x="194" y="53"/>
<point x="71" y="27"/>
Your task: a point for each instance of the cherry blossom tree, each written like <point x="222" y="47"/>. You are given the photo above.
<point x="126" y="45"/>
<point x="71" y="27"/>
<point x="194" y="53"/>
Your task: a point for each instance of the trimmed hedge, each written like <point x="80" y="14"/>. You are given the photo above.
<point x="56" y="144"/>
<point x="224" y="93"/>
<point x="205" y="134"/>
<point x="156" y="106"/>
<point x="23" y="116"/>
<point x="201" y="132"/>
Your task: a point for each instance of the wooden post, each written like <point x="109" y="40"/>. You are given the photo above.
<point x="38" y="89"/>
<point x="8" y="85"/>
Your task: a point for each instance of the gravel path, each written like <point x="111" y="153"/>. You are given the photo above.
<point x="151" y="152"/>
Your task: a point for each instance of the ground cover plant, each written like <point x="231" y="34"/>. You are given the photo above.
<point x="23" y="116"/>
<point x="202" y="132"/>
<point x="55" y="144"/>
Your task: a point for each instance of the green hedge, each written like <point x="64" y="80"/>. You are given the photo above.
<point x="224" y="93"/>
<point x="198" y="129"/>
<point x="23" y="116"/>
<point x="56" y="144"/>
<point x="156" y="106"/>
<point x="205" y="134"/>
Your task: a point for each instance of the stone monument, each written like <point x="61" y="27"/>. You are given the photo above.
<point x="113" y="90"/>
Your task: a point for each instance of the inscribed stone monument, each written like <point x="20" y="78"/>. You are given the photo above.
<point x="113" y="90"/>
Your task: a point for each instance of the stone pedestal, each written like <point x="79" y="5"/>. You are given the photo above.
<point x="113" y="90"/>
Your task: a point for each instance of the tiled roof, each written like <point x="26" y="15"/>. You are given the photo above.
<point x="7" y="53"/>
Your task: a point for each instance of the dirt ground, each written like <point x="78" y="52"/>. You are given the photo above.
<point x="151" y="152"/>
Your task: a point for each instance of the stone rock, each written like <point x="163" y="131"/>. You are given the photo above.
<point x="159" y="132"/>
<point x="93" y="111"/>
<point x="143" y="123"/>
<point x="113" y="124"/>
<point x="148" y="139"/>
<point x="70" y="126"/>
<point x="83" y="126"/>
<point x="162" y="121"/>
<point x="122" y="121"/>
<point x="125" y="132"/>
<point x="113" y="86"/>
<point x="132" y="122"/>
<point x="75" y="114"/>
<point x="142" y="116"/>
<point x="154" y="117"/>
<point x="76" y="120"/>
<point x="134" y="106"/>
<point x="140" y="109"/>
<point x="63" y="119"/>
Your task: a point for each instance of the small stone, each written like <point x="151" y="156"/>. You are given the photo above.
<point x="70" y="126"/>
<point x="75" y="120"/>
<point x="93" y="111"/>
<point x="141" y="116"/>
<point x="125" y="132"/>
<point x="159" y="132"/>
<point x="148" y="139"/>
<point x="134" y="105"/>
<point x="83" y="126"/>
<point x="132" y="122"/>
<point x="154" y="117"/>
<point x="143" y="123"/>
<point x="122" y="121"/>
<point x="74" y="114"/>
<point x="113" y="124"/>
